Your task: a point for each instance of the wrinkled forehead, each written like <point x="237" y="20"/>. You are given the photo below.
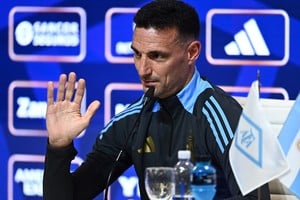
<point x="151" y="36"/>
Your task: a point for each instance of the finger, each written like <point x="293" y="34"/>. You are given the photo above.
<point x="70" y="86"/>
<point x="61" y="87"/>
<point x="80" y="91"/>
<point x="50" y="91"/>
<point x="91" y="110"/>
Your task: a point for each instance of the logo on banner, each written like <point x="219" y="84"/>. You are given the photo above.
<point x="248" y="42"/>
<point x="25" y="176"/>
<point x="50" y="34"/>
<point x="27" y="108"/>
<point x="249" y="140"/>
<point x="118" y="34"/>
<point x="246" y="37"/>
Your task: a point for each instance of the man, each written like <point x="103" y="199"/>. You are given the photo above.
<point x="185" y="111"/>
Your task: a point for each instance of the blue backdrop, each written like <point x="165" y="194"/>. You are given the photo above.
<point x="41" y="39"/>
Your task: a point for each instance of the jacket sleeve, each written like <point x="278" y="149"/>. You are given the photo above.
<point x="86" y="182"/>
<point x="91" y="177"/>
<point x="57" y="181"/>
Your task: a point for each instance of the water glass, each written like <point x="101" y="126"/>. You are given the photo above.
<point x="160" y="182"/>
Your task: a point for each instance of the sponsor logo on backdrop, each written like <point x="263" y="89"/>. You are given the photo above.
<point x="25" y="176"/>
<point x="49" y="34"/>
<point x="248" y="42"/>
<point x="118" y="34"/>
<point x="27" y="108"/>
<point x="247" y="37"/>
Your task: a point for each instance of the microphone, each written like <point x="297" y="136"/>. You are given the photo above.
<point x="148" y="96"/>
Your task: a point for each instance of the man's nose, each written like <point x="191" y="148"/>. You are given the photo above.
<point x="145" y="67"/>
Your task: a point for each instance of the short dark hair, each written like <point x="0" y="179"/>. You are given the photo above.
<point x="162" y="14"/>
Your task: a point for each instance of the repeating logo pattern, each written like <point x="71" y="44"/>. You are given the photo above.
<point x="249" y="42"/>
<point x="57" y="34"/>
<point x="45" y="38"/>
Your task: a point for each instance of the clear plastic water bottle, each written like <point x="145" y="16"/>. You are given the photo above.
<point x="183" y="176"/>
<point x="204" y="179"/>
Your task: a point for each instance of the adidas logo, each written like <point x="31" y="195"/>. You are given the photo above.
<point x="248" y="42"/>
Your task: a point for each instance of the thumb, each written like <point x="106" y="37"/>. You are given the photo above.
<point x="91" y="110"/>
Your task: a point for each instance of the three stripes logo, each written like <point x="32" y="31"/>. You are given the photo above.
<point x="247" y="37"/>
<point x="248" y="42"/>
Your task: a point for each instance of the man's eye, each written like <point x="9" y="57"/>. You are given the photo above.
<point x="137" y="55"/>
<point x="155" y="56"/>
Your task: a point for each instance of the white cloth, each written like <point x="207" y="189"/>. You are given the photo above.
<point x="255" y="154"/>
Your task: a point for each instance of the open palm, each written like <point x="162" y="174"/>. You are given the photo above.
<point x="63" y="118"/>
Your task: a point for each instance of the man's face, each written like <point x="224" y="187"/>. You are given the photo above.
<point x="161" y="60"/>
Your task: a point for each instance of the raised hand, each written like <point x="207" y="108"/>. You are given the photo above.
<point x="63" y="117"/>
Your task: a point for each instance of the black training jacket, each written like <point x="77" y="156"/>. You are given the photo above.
<point x="201" y="118"/>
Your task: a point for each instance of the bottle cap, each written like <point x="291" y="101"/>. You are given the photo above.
<point x="184" y="154"/>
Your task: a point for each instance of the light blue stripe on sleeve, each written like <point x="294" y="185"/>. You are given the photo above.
<point x="212" y="126"/>
<point x="223" y="116"/>
<point x="217" y="120"/>
<point x="133" y="109"/>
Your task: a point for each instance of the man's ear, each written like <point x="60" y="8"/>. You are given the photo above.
<point x="194" y="49"/>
